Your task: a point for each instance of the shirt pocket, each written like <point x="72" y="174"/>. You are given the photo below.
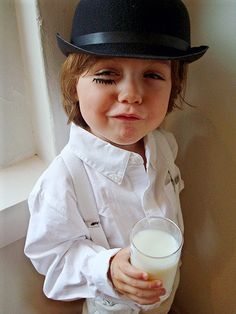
<point x="171" y="190"/>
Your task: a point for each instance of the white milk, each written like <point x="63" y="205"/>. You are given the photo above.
<point x="156" y="245"/>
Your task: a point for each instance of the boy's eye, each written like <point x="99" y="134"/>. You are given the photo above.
<point x="155" y="76"/>
<point x="104" y="77"/>
<point x="100" y="80"/>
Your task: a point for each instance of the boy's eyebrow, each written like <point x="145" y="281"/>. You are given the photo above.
<point x="165" y="62"/>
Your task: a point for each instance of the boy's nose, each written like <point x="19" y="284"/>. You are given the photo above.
<point x="130" y="94"/>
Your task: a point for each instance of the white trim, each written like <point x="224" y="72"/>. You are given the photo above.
<point x="17" y="180"/>
<point x="15" y="184"/>
<point x="13" y="223"/>
<point x="29" y="26"/>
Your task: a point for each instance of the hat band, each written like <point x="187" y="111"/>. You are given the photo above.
<point x="130" y="38"/>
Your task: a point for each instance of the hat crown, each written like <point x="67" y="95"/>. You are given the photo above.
<point x="167" y="17"/>
<point x="149" y="29"/>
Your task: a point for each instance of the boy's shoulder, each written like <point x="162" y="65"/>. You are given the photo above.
<point x="55" y="180"/>
<point x="170" y="138"/>
<point x="56" y="171"/>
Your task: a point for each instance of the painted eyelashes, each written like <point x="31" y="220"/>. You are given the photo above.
<point x="104" y="81"/>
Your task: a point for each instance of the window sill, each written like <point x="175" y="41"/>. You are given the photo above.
<point x="16" y="183"/>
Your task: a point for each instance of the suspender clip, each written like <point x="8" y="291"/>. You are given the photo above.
<point x="92" y="224"/>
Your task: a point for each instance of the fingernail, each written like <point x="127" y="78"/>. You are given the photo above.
<point x="145" y="276"/>
<point x="158" y="283"/>
<point x="163" y="291"/>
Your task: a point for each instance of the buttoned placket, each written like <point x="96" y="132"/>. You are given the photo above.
<point x="140" y="179"/>
<point x="142" y="190"/>
<point x="150" y="205"/>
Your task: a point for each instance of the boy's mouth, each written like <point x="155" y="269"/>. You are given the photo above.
<point x="128" y="117"/>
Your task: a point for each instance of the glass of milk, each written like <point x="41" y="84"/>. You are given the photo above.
<point x="156" y="244"/>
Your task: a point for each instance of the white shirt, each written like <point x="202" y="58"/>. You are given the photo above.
<point x="57" y="244"/>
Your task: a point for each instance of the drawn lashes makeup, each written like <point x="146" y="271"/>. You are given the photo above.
<point x="104" y="81"/>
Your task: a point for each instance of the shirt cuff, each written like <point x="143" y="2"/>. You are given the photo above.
<point x="101" y="266"/>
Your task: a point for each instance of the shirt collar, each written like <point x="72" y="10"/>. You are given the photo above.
<point x="156" y="152"/>
<point x="151" y="150"/>
<point x="105" y="158"/>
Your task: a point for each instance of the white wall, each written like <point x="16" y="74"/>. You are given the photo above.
<point x="27" y="137"/>
<point x="14" y="98"/>
<point x="207" y="157"/>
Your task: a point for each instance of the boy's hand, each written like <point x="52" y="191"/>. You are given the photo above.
<point x="132" y="282"/>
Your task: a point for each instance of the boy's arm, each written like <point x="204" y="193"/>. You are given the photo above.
<point x="74" y="267"/>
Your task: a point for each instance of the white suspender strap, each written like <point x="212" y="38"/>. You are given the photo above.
<point x="87" y="205"/>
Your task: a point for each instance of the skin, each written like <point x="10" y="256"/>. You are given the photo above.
<point x="122" y="100"/>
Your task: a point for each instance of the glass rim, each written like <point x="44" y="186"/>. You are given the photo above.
<point x="161" y="218"/>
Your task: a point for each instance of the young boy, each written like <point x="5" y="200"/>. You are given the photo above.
<point x="125" y="68"/>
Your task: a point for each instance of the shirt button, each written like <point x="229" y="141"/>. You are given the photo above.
<point x="136" y="160"/>
<point x="115" y="177"/>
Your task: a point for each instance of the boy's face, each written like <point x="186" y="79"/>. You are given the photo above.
<point x="123" y="99"/>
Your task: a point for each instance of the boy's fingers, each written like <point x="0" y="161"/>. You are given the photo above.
<point x="123" y="271"/>
<point x="121" y="264"/>
<point x="141" y="296"/>
<point x="137" y="283"/>
<point x="128" y="269"/>
<point x="133" y="272"/>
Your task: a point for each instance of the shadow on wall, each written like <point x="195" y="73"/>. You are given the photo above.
<point x="208" y="204"/>
<point x="207" y="159"/>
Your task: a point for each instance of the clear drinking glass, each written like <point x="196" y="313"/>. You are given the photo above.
<point x="156" y="244"/>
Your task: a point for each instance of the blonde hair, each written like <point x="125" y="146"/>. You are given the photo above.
<point x="76" y="64"/>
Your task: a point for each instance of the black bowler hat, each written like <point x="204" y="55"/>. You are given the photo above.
<point x="149" y="29"/>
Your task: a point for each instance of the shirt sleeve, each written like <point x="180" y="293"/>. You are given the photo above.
<point x="58" y="246"/>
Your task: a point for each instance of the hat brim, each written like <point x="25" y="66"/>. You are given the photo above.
<point x="132" y="50"/>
